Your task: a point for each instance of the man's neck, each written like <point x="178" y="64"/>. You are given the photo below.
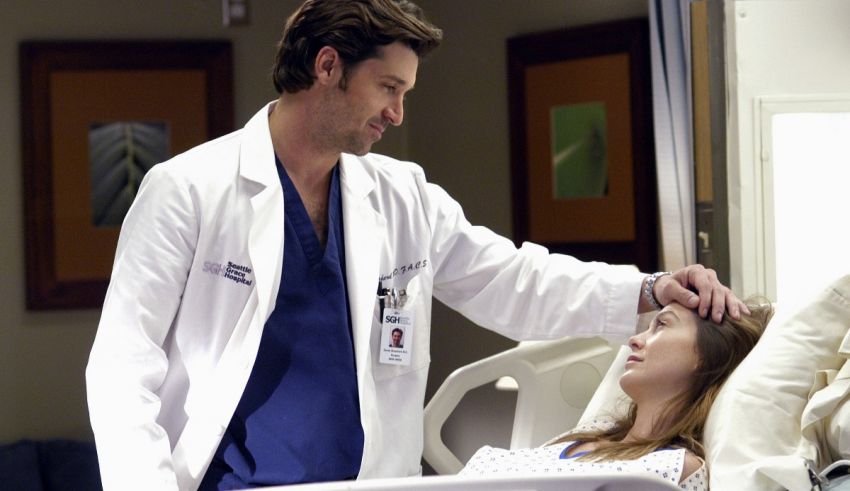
<point x="307" y="166"/>
<point x="305" y="162"/>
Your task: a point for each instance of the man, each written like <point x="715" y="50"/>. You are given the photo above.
<point x="240" y="338"/>
<point x="396" y="338"/>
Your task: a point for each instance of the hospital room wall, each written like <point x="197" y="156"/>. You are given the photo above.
<point x="779" y="52"/>
<point x="457" y="128"/>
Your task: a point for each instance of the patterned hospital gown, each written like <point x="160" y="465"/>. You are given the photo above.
<point x="666" y="464"/>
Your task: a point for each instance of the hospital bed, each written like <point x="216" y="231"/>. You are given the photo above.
<point x="556" y="382"/>
<point x="564" y="382"/>
<point x="571" y="369"/>
<point x="782" y="420"/>
<point x="601" y="482"/>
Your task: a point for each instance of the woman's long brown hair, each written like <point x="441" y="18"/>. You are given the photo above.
<point x="720" y="347"/>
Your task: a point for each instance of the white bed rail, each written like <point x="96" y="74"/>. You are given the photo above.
<point x="556" y="380"/>
<point x="573" y="482"/>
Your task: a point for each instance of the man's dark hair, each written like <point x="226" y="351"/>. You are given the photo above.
<point x="399" y="331"/>
<point x="355" y="28"/>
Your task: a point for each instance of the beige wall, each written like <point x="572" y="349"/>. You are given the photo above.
<point x="457" y="129"/>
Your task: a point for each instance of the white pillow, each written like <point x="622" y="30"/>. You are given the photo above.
<point x="826" y="418"/>
<point x="838" y="423"/>
<point x="753" y="434"/>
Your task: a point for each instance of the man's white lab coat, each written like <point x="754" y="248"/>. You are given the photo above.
<point x="196" y="275"/>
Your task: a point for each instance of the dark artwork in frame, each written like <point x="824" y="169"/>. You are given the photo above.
<point x="95" y="116"/>
<point x="582" y="150"/>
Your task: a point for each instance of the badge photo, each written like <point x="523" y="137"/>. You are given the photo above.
<point x="396" y="337"/>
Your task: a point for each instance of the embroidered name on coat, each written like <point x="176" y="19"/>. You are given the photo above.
<point x="404" y="268"/>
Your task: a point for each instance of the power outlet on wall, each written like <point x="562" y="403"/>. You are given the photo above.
<point x="235" y="12"/>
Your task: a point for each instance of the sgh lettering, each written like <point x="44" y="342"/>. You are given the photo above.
<point x="395" y="319"/>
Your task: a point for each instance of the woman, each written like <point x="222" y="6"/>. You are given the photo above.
<point x="673" y="375"/>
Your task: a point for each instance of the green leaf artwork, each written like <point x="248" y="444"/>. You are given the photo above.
<point x="120" y="154"/>
<point x="579" y="151"/>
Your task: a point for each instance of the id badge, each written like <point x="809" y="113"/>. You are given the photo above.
<point x="396" y="337"/>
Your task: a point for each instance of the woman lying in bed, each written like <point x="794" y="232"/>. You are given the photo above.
<point x="675" y="371"/>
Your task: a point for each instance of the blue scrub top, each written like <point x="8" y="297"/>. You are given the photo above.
<point x="299" y="417"/>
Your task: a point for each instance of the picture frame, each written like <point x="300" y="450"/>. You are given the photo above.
<point x="582" y="150"/>
<point x="182" y="90"/>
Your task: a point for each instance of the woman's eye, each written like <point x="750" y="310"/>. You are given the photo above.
<point x="390" y="88"/>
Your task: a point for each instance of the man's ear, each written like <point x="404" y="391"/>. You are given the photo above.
<point x="328" y="66"/>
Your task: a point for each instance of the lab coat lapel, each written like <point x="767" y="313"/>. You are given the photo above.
<point x="265" y="238"/>
<point x="364" y="230"/>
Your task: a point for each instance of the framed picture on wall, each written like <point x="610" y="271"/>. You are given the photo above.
<point x="95" y="117"/>
<point x="583" y="171"/>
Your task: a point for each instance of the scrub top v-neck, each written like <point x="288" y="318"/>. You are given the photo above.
<point x="299" y="417"/>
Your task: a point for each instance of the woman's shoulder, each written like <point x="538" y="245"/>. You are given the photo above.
<point x="691" y="464"/>
<point x="694" y="475"/>
<point x="679" y="466"/>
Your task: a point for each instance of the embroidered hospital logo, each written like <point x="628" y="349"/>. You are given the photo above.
<point x="231" y="271"/>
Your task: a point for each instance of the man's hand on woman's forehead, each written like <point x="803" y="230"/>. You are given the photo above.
<point x="698" y="288"/>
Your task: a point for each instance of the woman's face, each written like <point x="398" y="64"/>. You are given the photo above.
<point x="664" y="357"/>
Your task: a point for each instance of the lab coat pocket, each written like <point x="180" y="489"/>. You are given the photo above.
<point x="416" y="338"/>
